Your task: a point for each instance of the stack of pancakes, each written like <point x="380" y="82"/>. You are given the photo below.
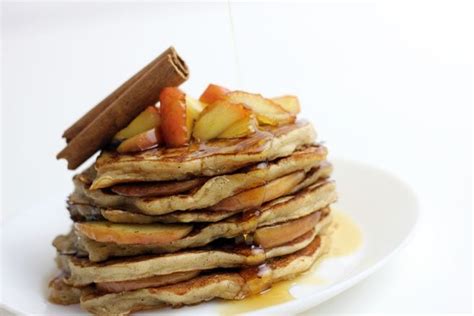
<point x="179" y="226"/>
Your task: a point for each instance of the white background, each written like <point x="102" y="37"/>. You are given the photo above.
<point x="387" y="83"/>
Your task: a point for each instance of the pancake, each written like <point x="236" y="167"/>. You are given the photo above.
<point x="63" y="293"/>
<point x="213" y="191"/>
<point x="209" y="159"/>
<point x="226" y="285"/>
<point x="315" y="197"/>
<point x="201" y="216"/>
<point x="85" y="212"/>
<point x="153" y="281"/>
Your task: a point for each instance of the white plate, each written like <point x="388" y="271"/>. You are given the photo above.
<point x="383" y="206"/>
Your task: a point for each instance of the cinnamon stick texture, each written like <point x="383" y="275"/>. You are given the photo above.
<point x="98" y="126"/>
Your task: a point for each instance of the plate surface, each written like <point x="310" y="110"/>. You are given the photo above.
<point x="384" y="208"/>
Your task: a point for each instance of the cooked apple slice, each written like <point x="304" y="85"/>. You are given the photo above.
<point x="128" y="234"/>
<point x="288" y="102"/>
<point x="276" y="235"/>
<point x="257" y="196"/>
<point x="195" y="106"/>
<point x="217" y="117"/>
<point x="174" y="126"/>
<point x="145" y="121"/>
<point x="213" y="93"/>
<point x="151" y="189"/>
<point x="193" y="109"/>
<point x="241" y="128"/>
<point x="267" y="111"/>
<point x="141" y="142"/>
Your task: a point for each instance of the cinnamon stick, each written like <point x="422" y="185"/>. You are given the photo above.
<point x="98" y="126"/>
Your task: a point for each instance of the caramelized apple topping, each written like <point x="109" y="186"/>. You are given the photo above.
<point x="219" y="113"/>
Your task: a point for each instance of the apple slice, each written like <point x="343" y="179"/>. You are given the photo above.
<point x="217" y="117"/>
<point x="257" y="196"/>
<point x="129" y="234"/>
<point x="145" y="121"/>
<point x="288" y="102"/>
<point x="152" y="189"/>
<point x="193" y="109"/>
<point x="141" y="142"/>
<point x="267" y="111"/>
<point x="276" y="235"/>
<point x="174" y="125"/>
<point x="241" y="128"/>
<point x="213" y="93"/>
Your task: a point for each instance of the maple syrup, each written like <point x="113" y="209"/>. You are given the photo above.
<point x="278" y="294"/>
<point x="346" y="237"/>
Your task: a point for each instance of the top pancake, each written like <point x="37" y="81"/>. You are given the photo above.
<point x="201" y="159"/>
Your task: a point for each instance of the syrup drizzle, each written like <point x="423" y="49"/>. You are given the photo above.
<point x="234" y="43"/>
